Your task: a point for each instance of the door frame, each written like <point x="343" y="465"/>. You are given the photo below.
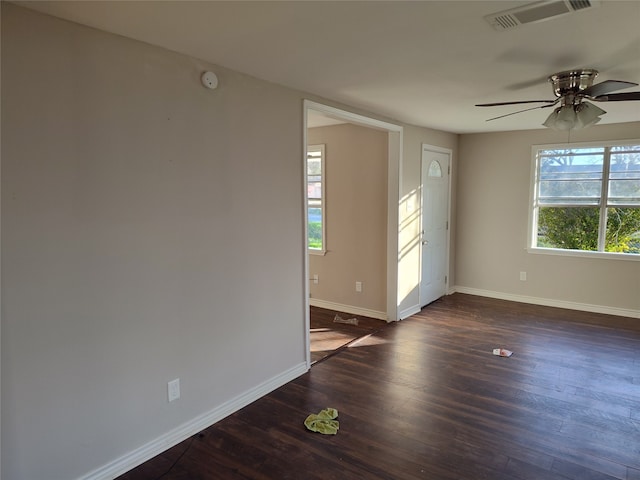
<point x="393" y="197"/>
<point x="447" y="151"/>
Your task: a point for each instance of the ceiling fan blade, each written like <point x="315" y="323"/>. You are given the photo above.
<point x="520" y="111"/>
<point x="618" y="97"/>
<point x="605" y="87"/>
<point x="514" y="103"/>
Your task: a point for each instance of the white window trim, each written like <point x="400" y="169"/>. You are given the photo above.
<point x="323" y="200"/>
<point x="532" y="232"/>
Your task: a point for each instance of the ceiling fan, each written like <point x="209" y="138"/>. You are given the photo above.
<point x="572" y="88"/>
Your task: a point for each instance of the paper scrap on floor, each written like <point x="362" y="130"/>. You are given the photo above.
<point x="501" y="352"/>
<point x="348" y="321"/>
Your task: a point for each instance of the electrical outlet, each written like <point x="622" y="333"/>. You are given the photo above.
<point x="358" y="287"/>
<point x="173" y="390"/>
<point x="315" y="278"/>
<point x="523" y="276"/>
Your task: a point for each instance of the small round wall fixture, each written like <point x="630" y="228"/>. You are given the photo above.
<point x="209" y="80"/>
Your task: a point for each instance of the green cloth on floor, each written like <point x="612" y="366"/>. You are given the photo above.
<point x="323" y="422"/>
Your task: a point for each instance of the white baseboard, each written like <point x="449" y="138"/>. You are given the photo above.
<point x="585" y="307"/>
<point x="365" y="312"/>
<point x="146" y="452"/>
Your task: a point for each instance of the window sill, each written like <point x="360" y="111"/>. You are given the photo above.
<point x="317" y="252"/>
<point x="584" y="254"/>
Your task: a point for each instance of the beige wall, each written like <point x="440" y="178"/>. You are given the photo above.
<point x="356" y="216"/>
<point x="151" y="229"/>
<point x="493" y="213"/>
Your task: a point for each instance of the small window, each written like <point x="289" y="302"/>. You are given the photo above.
<point x="587" y="199"/>
<point x="316" y="210"/>
<point x="435" y="170"/>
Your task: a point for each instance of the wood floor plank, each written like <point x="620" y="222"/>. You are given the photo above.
<point x="520" y="470"/>
<point x="425" y="398"/>
<point x="580" y="472"/>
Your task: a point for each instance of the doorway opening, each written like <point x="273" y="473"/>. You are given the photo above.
<point x="350" y="297"/>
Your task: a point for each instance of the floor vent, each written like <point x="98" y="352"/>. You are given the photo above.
<point x="537" y="12"/>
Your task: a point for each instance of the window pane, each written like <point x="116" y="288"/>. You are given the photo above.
<point x="435" y="170"/>
<point x="567" y="192"/>
<point x="315" y="201"/>
<point x="573" y="228"/>
<point x="624" y="179"/>
<point x="573" y="178"/>
<point x="623" y="230"/>
<point x="626" y="148"/>
<point x="315" y="227"/>
<point x="568" y="152"/>
<point x="314" y="165"/>
<point x="314" y="190"/>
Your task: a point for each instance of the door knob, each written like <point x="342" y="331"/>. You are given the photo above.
<point x="425" y="242"/>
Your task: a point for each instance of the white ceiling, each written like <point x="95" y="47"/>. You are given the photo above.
<point x="421" y="62"/>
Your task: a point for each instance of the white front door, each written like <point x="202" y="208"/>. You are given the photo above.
<point x="435" y="224"/>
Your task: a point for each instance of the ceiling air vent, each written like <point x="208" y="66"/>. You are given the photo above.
<point x="537" y="12"/>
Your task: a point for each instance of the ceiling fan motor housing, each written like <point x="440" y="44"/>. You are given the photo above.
<point x="572" y="82"/>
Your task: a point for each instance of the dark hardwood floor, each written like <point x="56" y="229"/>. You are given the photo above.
<point x="426" y="399"/>
<point x="328" y="337"/>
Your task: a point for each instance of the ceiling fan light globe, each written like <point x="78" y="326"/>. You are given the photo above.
<point x="562" y="118"/>
<point x="567" y="115"/>
<point x="592" y="122"/>
<point x="563" y="126"/>
<point x="587" y="114"/>
<point x="550" y="122"/>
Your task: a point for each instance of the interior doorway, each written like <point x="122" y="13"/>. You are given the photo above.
<point x="434" y="236"/>
<point x="314" y="112"/>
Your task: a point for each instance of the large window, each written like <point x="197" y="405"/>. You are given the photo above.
<point x="316" y="211"/>
<point x="587" y="198"/>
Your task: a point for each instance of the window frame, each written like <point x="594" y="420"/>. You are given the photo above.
<point x="323" y="200"/>
<point x="532" y="231"/>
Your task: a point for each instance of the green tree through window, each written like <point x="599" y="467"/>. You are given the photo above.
<point x="316" y="214"/>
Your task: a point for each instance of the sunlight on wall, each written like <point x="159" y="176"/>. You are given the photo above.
<point x="409" y="245"/>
